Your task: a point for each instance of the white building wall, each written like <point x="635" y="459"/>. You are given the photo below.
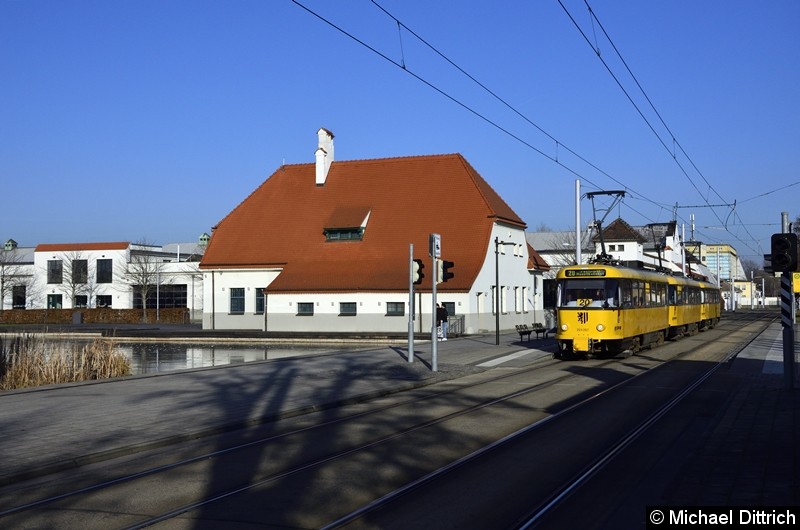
<point x="119" y="292"/>
<point x="217" y="287"/>
<point x="516" y="282"/>
<point x="520" y="294"/>
<point x="119" y="289"/>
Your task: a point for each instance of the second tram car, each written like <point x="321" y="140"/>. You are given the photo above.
<point x="610" y="309"/>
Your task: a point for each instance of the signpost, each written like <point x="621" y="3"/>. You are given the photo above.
<point x="435" y="243"/>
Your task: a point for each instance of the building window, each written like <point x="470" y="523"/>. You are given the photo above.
<point x="81" y="300"/>
<point x="620" y="248"/>
<point x="451" y="308"/>
<point x="165" y="296"/>
<point x="80" y="271"/>
<point x="55" y="270"/>
<point x="305" y="309"/>
<point x="347" y="309"/>
<point x="104" y="271"/>
<point x="18" y="297"/>
<point x="102" y="300"/>
<point x="237" y="300"/>
<point x="395" y="309"/>
<point x="260" y="301"/>
<point x="344" y="234"/>
<point x="54" y="301"/>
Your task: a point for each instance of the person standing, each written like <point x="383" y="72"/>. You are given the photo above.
<point x="441" y="320"/>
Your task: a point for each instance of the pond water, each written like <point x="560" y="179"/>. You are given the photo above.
<point x="154" y="357"/>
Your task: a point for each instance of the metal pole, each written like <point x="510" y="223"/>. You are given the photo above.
<point x="434" y="337"/>
<point x="733" y="282"/>
<point x="787" y="310"/>
<point x="578" y="250"/>
<point x="497" y="291"/>
<point x="411" y="308"/>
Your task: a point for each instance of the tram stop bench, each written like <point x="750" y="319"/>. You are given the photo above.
<point x="525" y="331"/>
<point x="539" y="329"/>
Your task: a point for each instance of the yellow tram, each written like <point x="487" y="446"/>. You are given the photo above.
<point x="610" y="309"/>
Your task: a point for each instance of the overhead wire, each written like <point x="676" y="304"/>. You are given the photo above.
<point x="595" y="47"/>
<point x="402" y="65"/>
<point x="455" y="100"/>
<point x="557" y="142"/>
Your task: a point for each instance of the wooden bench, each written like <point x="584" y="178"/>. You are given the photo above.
<point x="523" y="331"/>
<point x="539" y="329"/>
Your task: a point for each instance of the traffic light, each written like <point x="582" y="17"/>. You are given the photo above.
<point x="785" y="252"/>
<point x="444" y="270"/>
<point x="417" y="273"/>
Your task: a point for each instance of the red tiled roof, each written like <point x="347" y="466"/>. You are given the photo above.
<point x="535" y="261"/>
<point x="74" y="247"/>
<point x="282" y="223"/>
<point x="619" y="230"/>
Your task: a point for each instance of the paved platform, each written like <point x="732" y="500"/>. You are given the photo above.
<point x="61" y="426"/>
<point x="750" y="453"/>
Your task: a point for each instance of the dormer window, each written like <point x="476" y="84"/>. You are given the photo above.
<point x="344" y="234"/>
<point x="347" y="224"/>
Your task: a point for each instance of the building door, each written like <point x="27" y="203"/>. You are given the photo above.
<point x="54" y="301"/>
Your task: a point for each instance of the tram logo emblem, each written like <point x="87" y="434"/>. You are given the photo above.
<point x="583" y="317"/>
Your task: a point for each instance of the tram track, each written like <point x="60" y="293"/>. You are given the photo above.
<point x="421" y="397"/>
<point x="428" y="486"/>
<point x="410" y="421"/>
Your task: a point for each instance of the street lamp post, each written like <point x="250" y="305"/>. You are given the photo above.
<point x="497" y="244"/>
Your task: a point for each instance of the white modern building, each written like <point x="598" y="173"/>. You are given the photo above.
<point x="120" y="275"/>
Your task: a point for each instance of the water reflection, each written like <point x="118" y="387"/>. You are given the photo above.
<point x="154" y="357"/>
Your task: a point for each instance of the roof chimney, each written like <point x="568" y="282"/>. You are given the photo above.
<point x="324" y="155"/>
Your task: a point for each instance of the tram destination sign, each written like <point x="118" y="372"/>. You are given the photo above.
<point x="584" y="273"/>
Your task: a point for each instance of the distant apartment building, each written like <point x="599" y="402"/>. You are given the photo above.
<point x="723" y="261"/>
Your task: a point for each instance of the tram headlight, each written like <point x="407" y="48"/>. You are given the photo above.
<point x="564" y="327"/>
<point x="600" y="327"/>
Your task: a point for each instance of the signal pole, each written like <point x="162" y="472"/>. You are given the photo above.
<point x="411" y="302"/>
<point x="435" y="252"/>
<point x="785" y="258"/>
<point x="787" y="321"/>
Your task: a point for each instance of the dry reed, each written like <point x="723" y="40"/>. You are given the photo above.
<point x="33" y="360"/>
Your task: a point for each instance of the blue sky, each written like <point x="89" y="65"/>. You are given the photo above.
<point x="131" y="120"/>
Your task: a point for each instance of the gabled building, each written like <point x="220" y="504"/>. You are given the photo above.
<point x="325" y="246"/>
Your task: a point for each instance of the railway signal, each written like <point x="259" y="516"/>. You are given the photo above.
<point x="785" y="252"/>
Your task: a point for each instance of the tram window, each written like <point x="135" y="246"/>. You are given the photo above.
<point x="627" y="296"/>
<point x="660" y="292"/>
<point x="589" y="293"/>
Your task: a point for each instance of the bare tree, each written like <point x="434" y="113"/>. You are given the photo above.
<point x="561" y="249"/>
<point x="78" y="277"/>
<point x="144" y="272"/>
